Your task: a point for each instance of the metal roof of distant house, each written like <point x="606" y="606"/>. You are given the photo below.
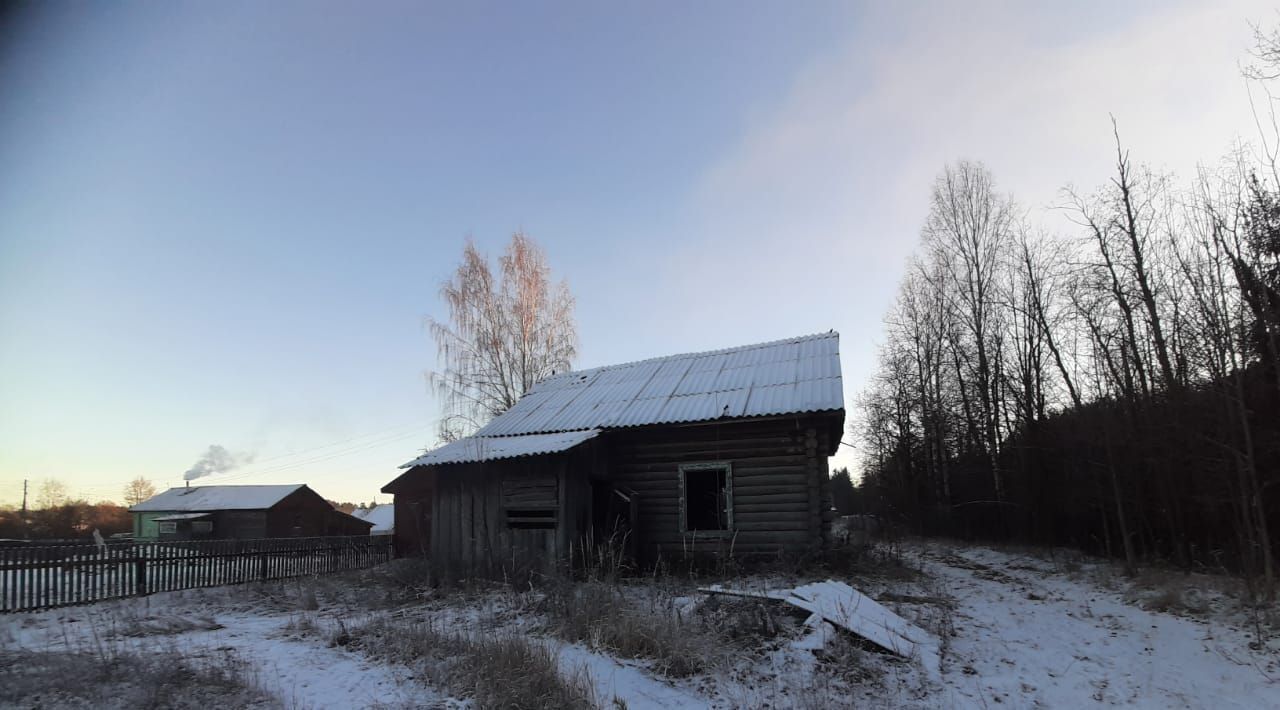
<point x="383" y="517"/>
<point x="792" y="376"/>
<point x="206" y="498"/>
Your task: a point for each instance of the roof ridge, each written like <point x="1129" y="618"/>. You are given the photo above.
<point x="242" y="485"/>
<point x="720" y="351"/>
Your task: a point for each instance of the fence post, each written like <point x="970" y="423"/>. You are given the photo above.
<point x="262" y="563"/>
<point x="140" y="575"/>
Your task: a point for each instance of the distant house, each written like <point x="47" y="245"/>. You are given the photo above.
<point x="241" y="512"/>
<point x="721" y="452"/>
<point x="382" y="516"/>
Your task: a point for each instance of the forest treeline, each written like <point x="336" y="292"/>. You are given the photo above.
<point x="1114" y="387"/>
<point x="68" y="520"/>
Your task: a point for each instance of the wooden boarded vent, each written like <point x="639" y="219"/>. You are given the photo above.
<point x="532" y="502"/>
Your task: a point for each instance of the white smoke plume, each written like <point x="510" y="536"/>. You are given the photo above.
<point x="216" y="460"/>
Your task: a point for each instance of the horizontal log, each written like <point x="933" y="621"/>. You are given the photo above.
<point x="782" y="511"/>
<point x="769" y="527"/>
<point x="665" y="477"/>
<point x="708" y="454"/>
<point x="644" y="492"/>
<point x="672" y="438"/>
<point x="620" y="464"/>
<point x="667" y="445"/>
<point x="766" y="493"/>
<point x="754" y="470"/>
<point x="794" y="476"/>
<point x="797" y="498"/>
<point x="758" y="487"/>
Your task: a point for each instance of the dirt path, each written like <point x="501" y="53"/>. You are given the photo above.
<point x="1029" y="636"/>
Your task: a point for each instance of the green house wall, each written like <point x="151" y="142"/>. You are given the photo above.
<point x="145" y="525"/>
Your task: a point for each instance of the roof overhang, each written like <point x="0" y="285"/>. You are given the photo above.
<point x="181" y="516"/>
<point x="477" y="449"/>
<point x="354" y="518"/>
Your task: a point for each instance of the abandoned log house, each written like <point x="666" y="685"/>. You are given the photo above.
<point x="721" y="452"/>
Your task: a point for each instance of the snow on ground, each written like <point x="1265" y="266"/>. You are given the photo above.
<point x="300" y="672"/>
<point x="627" y="681"/>
<point x="1026" y="631"/>
<point x="1029" y="635"/>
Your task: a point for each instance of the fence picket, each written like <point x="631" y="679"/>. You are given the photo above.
<point x="46" y="576"/>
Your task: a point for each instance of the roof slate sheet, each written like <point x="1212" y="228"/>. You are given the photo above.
<point x="383" y="517"/>
<point x="483" y="448"/>
<point x="792" y="376"/>
<point x="203" y="498"/>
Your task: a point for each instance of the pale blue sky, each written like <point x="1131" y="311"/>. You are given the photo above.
<point x="224" y="222"/>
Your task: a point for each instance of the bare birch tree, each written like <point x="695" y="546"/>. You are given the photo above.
<point x="968" y="229"/>
<point x="138" y="490"/>
<point x="53" y="493"/>
<point x="503" y="334"/>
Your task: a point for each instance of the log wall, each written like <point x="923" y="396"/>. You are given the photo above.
<point x="781" y="493"/>
<point x="491" y="519"/>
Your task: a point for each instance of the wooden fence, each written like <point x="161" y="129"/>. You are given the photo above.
<point x="46" y="576"/>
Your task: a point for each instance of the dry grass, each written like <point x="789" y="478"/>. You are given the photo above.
<point x="653" y="629"/>
<point x="749" y="625"/>
<point x="387" y="586"/>
<point x="493" y="670"/>
<point x="134" y="625"/>
<point x="1175" y="592"/>
<point x="127" y="679"/>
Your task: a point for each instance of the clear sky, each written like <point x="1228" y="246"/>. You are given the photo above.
<point x="223" y="223"/>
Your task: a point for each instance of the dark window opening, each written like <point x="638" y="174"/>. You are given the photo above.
<point x="535" y="518"/>
<point x="707" y="498"/>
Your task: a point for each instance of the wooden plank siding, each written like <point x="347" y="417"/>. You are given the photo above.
<point x="475" y="504"/>
<point x="780" y="487"/>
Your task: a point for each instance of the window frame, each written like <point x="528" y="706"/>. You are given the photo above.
<point x="167" y="527"/>
<point x="727" y="467"/>
<point x="201" y="526"/>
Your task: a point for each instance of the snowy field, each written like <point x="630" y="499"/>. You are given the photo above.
<point x="1014" y="629"/>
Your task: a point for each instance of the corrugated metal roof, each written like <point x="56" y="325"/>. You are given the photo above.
<point x="488" y="448"/>
<point x="792" y="376"/>
<point x="383" y="517"/>
<point x="196" y="498"/>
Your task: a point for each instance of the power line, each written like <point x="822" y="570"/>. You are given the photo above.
<point x="364" y="446"/>
<point x="413" y="427"/>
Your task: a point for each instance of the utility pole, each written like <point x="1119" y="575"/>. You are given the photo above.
<point x="26" y="528"/>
